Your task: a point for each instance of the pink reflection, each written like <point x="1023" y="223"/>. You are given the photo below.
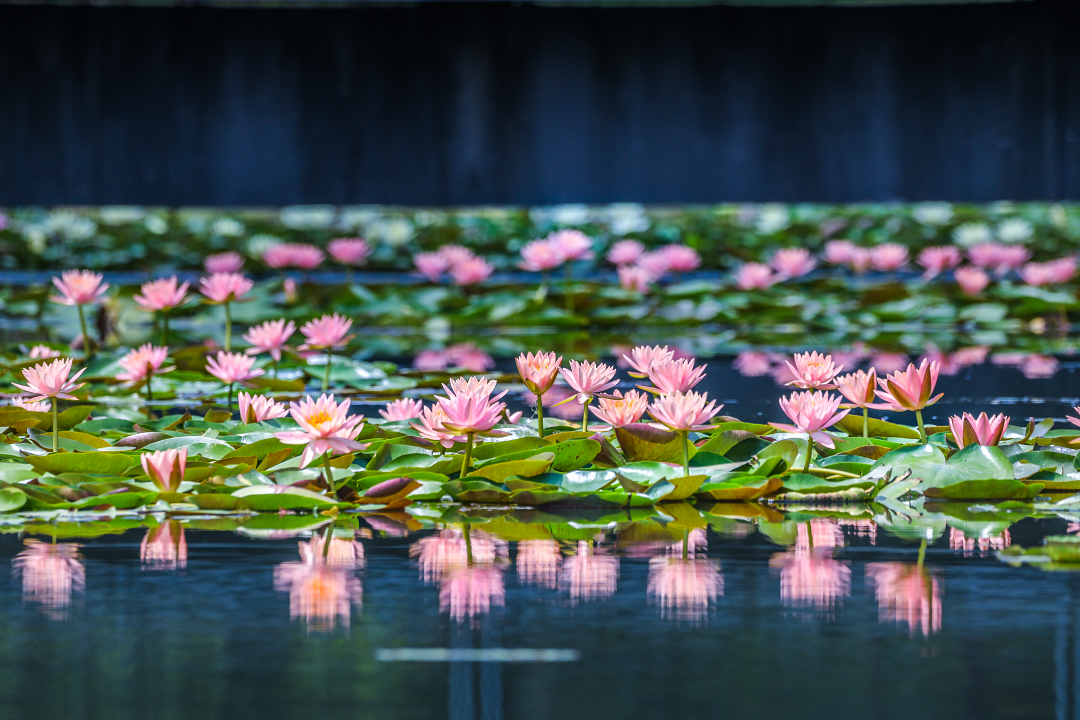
<point x="589" y="574"/>
<point x="557" y="393"/>
<point x="960" y="542"/>
<point x="886" y="362"/>
<point x="752" y="363"/>
<point x="907" y="593"/>
<point x="50" y="574"/>
<point x="809" y="574"/>
<point x="468" y="587"/>
<point x="538" y="562"/>
<point x="684" y="589"/>
<point x="323" y="587"/>
<point x="1039" y="366"/>
<point x="463" y="355"/>
<point x="697" y="541"/>
<point x="164" y="547"/>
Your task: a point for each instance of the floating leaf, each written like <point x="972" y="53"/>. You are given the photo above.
<point x="11" y="499"/>
<point x="985" y="490"/>
<point x="574" y="454"/>
<point x="642" y="442"/>
<point x="91" y="463"/>
<point x="853" y="425"/>
<point x="269" y="498"/>
<point x="733" y="491"/>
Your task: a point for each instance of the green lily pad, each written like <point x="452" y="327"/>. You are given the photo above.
<point x="853" y="425"/>
<point x="985" y="490"/>
<point x="642" y="442"/>
<point x="11" y="499"/>
<point x="270" y="498"/>
<point x="523" y="468"/>
<point x="91" y="463"/>
<point x="736" y="492"/>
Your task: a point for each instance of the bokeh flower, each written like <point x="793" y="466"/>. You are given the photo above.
<point x="755" y="276"/>
<point x="222" y="288"/>
<point x="471" y="271"/>
<point x="225" y="262"/>
<point x="792" y="262"/>
<point x="163" y="294"/>
<point x="79" y="287"/>
<point x="402" y="409"/>
<point x="270" y="337"/>
<point x="541" y="256"/>
<point x="232" y="368"/>
<point x="349" y="251"/>
<point x="938" y="259"/>
<point x="888" y="257"/>
<point x="625" y="252"/>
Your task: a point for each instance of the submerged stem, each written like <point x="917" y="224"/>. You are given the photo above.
<point x="922" y="554"/>
<point x="466" y="460"/>
<point x="468" y="543"/>
<point x="228" y="328"/>
<point x="865" y="422"/>
<point x="922" y="429"/>
<point x="55" y="433"/>
<point x="809" y="453"/>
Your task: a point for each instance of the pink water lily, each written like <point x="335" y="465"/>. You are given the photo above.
<point x="625" y="252"/>
<point x="683" y="411"/>
<point x="858" y="387"/>
<point x="938" y="259"/>
<point x="165" y="468"/>
<point x="143" y="363"/>
<point x="838" y="252"/>
<point x="861" y="259"/>
<point x="1055" y="272"/>
<point x="755" y="276"/>
<point x="814" y="371"/>
<point x="327" y="332"/>
<point x="538" y="371"/>
<point x="298" y="255"/>
<point x="402" y="409"/>
<point x="270" y="337"/>
<point x="588" y="378"/>
<point x="225" y="287"/>
<point x="911" y="389"/>
<point x="574" y="244"/>
<point x="470" y="413"/>
<point x="811" y="413"/>
<point x="971" y="280"/>
<point x="226" y="262"/>
<point x="541" y="256"/>
<point x="888" y="257"/>
<point x="163" y="294"/>
<point x="349" y="251"/>
<point x="256" y="408"/>
<point x="478" y="387"/>
<point x="41" y="407"/>
<point x="674" y="376"/>
<point x="50" y="380"/>
<point x="431" y="426"/>
<point x="998" y="257"/>
<point x="471" y="271"/>
<point x="79" y="287"/>
<point x="43" y="352"/>
<point x="325" y="427"/>
<point x="455" y="254"/>
<point x="969" y="430"/>
<point x="431" y="265"/>
<point x="655" y="263"/>
<point x="681" y="258"/>
<point x="620" y="410"/>
<point x="643" y="357"/>
<point x="635" y="279"/>
<point x="792" y="262"/>
<point x="232" y="368"/>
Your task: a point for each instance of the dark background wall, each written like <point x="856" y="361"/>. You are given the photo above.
<point x="459" y="103"/>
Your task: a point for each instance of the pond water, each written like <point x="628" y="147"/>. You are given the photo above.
<point x="738" y="610"/>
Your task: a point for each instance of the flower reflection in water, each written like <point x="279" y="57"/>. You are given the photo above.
<point x="959" y="541"/>
<point x="164" y="547"/>
<point x="685" y="586"/>
<point x="590" y="573"/>
<point x="907" y="593"/>
<point x="468" y="565"/>
<point x="861" y="528"/>
<point x="809" y="574"/>
<point x="323" y="587"/>
<point x="538" y="562"/>
<point x="50" y="574"/>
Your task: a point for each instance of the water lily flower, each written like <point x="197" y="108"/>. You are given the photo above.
<point x="270" y="337"/>
<point x="620" y="410"/>
<point x="643" y="357"/>
<point x="838" y="252"/>
<point x="541" y="256"/>
<point x="471" y="271"/>
<point x="142" y="364"/>
<point x="402" y="409"/>
<point x="811" y="413"/>
<point x="43" y="352"/>
<point x="471" y="412"/>
<point x="633" y="278"/>
<point x="49" y="381"/>
<point x="289" y="288"/>
<point x="938" y="259"/>
<point x="538" y="372"/>
<point x="971" y="280"/>
<point x="225" y="262"/>
<point x="162" y="294"/>
<point x="888" y="257"/>
<point x="861" y="259"/>
<point x="431" y="427"/>
<point x="911" y="389"/>
<point x="681" y="258"/>
<point x="587" y="379"/>
<point x="256" y="408"/>
<point x="814" y="371"/>
<point x="231" y="368"/>
<point x="468" y="357"/>
<point x="589" y="573"/>
<point x="682" y="413"/>
<point x="326" y="333"/>
<point x="298" y="255"/>
<point x="79" y="287"/>
<point x="907" y="593"/>
<point x="164" y="547"/>
<point x="574" y="244"/>
<point x="478" y="387"/>
<point x="41" y="407"/>
<point x="998" y="257"/>
<point x="454" y="255"/>
<point x="349" y="251"/>
<point x="1055" y="272"/>
<point x="674" y="376"/>
<point x="165" y="468"/>
<point x="860" y="390"/>
<point x="224" y="289"/>
<point x="792" y="262"/>
<point x="654" y="263"/>
<point x="755" y="276"/>
<point x="325" y="428"/>
<point x="431" y="265"/>
<point x="625" y="252"/>
<point x="50" y="573"/>
<point x="969" y="430"/>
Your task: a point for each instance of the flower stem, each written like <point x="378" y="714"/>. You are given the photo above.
<point x="228" y="403"/>
<point x="685" y="452"/>
<point x="922" y="429"/>
<point x="88" y="344"/>
<point x="328" y="537"/>
<point x="149" y="393"/>
<point x="809" y="453"/>
<point x="540" y="414"/>
<point x="866" y="422"/>
<point x="468" y="543"/>
<point x="228" y="328"/>
<point x="326" y="373"/>
<point x="273" y="364"/>
<point x="55" y="432"/>
<point x="585" y="416"/>
<point x="330" y="476"/>
<point x="165" y="328"/>
<point x="466" y="460"/>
